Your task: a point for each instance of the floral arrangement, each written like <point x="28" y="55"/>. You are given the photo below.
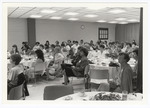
<point x="112" y="55"/>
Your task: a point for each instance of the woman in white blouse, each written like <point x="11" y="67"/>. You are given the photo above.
<point x="55" y="65"/>
<point x="16" y="69"/>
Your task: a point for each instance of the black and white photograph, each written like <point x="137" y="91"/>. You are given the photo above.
<point x="74" y="52"/>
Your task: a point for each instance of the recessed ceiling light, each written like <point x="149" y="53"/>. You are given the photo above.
<point x="90" y="15"/>
<point x="120" y="19"/>
<point x="47" y="11"/>
<point x="113" y="22"/>
<point x="55" y="17"/>
<point x="71" y="13"/>
<point x="133" y="20"/>
<point x="123" y="23"/>
<point x="73" y="19"/>
<point x="35" y="16"/>
<point x="95" y="8"/>
<point x="116" y="11"/>
<point x="101" y="21"/>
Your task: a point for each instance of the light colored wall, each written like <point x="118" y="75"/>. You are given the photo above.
<point x="17" y="32"/>
<point x="63" y="30"/>
<point x="54" y="30"/>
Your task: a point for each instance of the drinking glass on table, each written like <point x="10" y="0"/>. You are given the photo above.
<point x="82" y="93"/>
<point x="124" y="95"/>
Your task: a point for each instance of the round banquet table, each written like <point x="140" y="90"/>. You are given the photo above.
<point x="29" y="62"/>
<point x="89" y="95"/>
<point x="113" y="71"/>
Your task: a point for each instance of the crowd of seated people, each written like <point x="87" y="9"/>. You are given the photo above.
<point x="79" y="52"/>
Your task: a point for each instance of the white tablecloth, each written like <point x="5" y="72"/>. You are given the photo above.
<point x="113" y="71"/>
<point x="29" y="62"/>
<point x="89" y="95"/>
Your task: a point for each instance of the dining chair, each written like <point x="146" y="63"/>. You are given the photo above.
<point x="39" y="69"/>
<point x="82" y="78"/>
<point x="55" y="91"/>
<point x="98" y="76"/>
<point x="16" y="93"/>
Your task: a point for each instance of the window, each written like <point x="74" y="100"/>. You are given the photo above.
<point x="103" y="33"/>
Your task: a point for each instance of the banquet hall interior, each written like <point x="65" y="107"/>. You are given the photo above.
<point x="69" y="53"/>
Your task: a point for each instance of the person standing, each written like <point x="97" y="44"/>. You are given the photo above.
<point x="126" y="73"/>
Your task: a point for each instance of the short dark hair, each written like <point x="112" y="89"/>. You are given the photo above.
<point x="126" y="56"/>
<point x="129" y="44"/>
<point x="52" y="45"/>
<point x="136" y="51"/>
<point x="134" y="43"/>
<point x="102" y="46"/>
<point x="14" y="45"/>
<point x="46" y="47"/>
<point x="85" y="51"/>
<point x="41" y="45"/>
<point x="37" y="43"/>
<point x="80" y="47"/>
<point x="63" y="45"/>
<point x="40" y="54"/>
<point x="23" y="42"/>
<point x="16" y="58"/>
<point x="57" y="42"/>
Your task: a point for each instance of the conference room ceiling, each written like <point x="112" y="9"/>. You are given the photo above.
<point x="114" y="15"/>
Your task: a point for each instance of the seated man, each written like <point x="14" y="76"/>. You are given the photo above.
<point x="124" y="81"/>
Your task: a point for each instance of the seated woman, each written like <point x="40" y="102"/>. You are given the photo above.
<point x="14" y="50"/>
<point x="36" y="46"/>
<point x="42" y="48"/>
<point x="135" y="56"/>
<point x="74" y="61"/>
<point x="47" y="52"/>
<point x="55" y="65"/>
<point x="16" y="69"/>
<point x="135" y="70"/>
<point x="47" y="44"/>
<point x="77" y="70"/>
<point x="40" y="59"/>
<point x="25" y="48"/>
<point x="64" y="49"/>
<point x="52" y="47"/>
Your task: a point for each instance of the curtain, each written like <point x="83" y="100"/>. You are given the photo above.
<point x="140" y="55"/>
<point x="127" y="32"/>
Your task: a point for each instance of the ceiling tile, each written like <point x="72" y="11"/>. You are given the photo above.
<point x="103" y="14"/>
